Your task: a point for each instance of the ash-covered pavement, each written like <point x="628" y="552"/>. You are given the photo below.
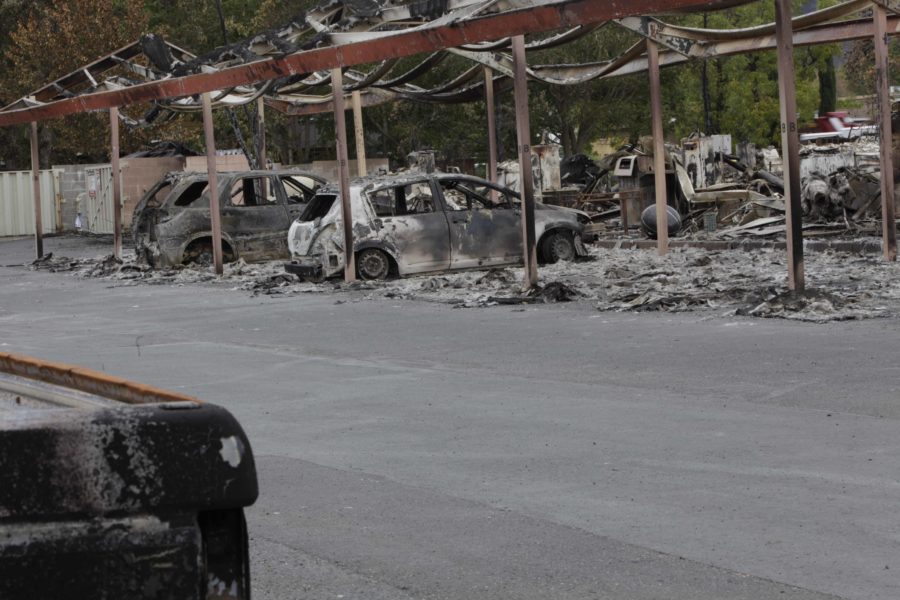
<point x="412" y="449"/>
<point x="842" y="286"/>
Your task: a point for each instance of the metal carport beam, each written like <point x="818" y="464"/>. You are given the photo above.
<point x="532" y="19"/>
<point x="663" y="35"/>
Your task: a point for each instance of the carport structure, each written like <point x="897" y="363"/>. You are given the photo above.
<point x="296" y="70"/>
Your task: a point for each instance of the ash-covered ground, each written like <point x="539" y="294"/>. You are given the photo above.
<point x="841" y="286"/>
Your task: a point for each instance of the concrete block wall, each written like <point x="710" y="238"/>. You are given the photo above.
<point x="228" y="162"/>
<point x="139" y="175"/>
<point x="329" y="168"/>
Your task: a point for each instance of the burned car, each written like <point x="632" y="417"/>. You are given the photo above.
<point x="171" y="223"/>
<point x="420" y="223"/>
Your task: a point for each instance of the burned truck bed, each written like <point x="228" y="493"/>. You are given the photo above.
<point x="112" y="489"/>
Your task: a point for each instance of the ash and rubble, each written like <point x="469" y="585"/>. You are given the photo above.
<point x="723" y="196"/>
<point x="720" y="283"/>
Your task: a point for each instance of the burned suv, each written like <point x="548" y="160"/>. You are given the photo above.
<point x="171" y="223"/>
<point x="419" y="223"/>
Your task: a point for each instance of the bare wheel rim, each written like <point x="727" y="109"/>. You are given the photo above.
<point x="561" y="248"/>
<point x="373" y="264"/>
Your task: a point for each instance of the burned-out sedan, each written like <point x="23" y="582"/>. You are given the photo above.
<point x="171" y="223"/>
<point x="420" y="223"/>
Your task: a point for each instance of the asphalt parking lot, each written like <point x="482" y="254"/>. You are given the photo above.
<point x="410" y="449"/>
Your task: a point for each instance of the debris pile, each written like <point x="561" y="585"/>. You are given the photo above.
<point x="719" y="196"/>
<point x="734" y="282"/>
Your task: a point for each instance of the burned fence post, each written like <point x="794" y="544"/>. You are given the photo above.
<point x="883" y="113"/>
<point x="790" y="144"/>
<point x="491" y="124"/>
<point x="214" y="214"/>
<point x="360" y="134"/>
<point x="526" y="177"/>
<point x="116" y="180"/>
<point x="36" y="179"/>
<point x="659" y="150"/>
<point x="340" y="129"/>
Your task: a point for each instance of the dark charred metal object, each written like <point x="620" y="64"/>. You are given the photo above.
<point x="648" y="221"/>
<point x="135" y="493"/>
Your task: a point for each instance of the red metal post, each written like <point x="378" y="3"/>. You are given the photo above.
<point x="215" y="216"/>
<point x="659" y="150"/>
<point x="36" y="179"/>
<point x="116" y="180"/>
<point x="790" y="144"/>
<point x="340" y="129"/>
<point x="623" y="212"/>
<point x="883" y="99"/>
<point x="491" y="124"/>
<point x="526" y="176"/>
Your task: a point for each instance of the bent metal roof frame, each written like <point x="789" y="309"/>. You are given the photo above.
<point x="337" y="34"/>
<point x="347" y="27"/>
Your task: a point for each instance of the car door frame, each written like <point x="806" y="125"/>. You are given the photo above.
<point x="474" y="240"/>
<point x="431" y="246"/>
<point x="253" y="238"/>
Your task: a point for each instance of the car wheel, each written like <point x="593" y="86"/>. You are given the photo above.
<point x="373" y="263"/>
<point x="557" y="246"/>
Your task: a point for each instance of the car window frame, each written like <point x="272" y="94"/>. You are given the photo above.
<point x="370" y="206"/>
<point x="280" y="199"/>
<point x="485" y="203"/>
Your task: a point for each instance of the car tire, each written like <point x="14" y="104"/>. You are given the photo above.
<point x="557" y="246"/>
<point x="373" y="263"/>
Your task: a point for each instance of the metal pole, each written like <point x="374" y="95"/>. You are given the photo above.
<point x="790" y="144"/>
<point x="36" y="179"/>
<point x="116" y="180"/>
<point x="360" y="135"/>
<point x="491" y="124"/>
<point x="659" y="150"/>
<point x="526" y="177"/>
<point x="214" y="215"/>
<point x="883" y="99"/>
<point x="261" y="129"/>
<point x="340" y="129"/>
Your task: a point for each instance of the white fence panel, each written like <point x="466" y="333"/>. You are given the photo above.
<point x="17" y="202"/>
<point x="96" y="205"/>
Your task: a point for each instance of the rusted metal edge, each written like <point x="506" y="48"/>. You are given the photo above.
<point x="87" y="380"/>
<point x="427" y="39"/>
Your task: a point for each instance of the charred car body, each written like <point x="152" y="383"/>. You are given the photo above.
<point x="420" y="223"/>
<point x="171" y="223"/>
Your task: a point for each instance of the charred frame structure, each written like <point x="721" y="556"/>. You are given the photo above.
<point x="316" y="52"/>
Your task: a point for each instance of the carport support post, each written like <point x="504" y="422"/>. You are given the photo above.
<point x="883" y="100"/>
<point x="340" y="129"/>
<point x="261" y="131"/>
<point x="36" y="179"/>
<point x="659" y="150"/>
<point x="116" y="180"/>
<point x="790" y="144"/>
<point x="491" y="124"/>
<point x="360" y="134"/>
<point x="526" y="177"/>
<point x="215" y="217"/>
